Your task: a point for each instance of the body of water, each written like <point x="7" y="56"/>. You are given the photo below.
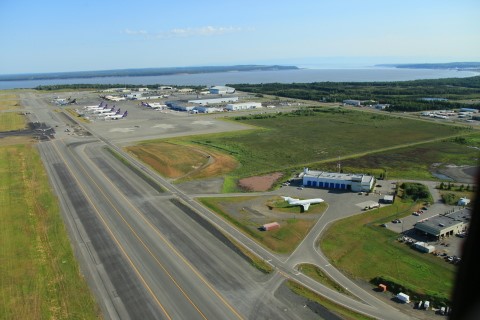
<point x="255" y="77"/>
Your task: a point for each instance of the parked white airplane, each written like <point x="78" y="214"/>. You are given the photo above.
<point x="112" y="112"/>
<point x="304" y="203"/>
<point x="117" y="116"/>
<point x="102" y="111"/>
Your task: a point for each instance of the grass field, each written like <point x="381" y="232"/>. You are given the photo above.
<point x="362" y="249"/>
<point x="39" y="275"/>
<point x="11" y="121"/>
<point x="414" y="162"/>
<point x="9" y="101"/>
<point x="283" y="240"/>
<point x="179" y="161"/>
<point x="289" y="141"/>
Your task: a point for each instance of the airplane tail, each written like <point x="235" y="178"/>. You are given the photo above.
<point x="118" y="111"/>
<point x="125" y="114"/>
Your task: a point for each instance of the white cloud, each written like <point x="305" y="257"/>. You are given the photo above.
<point x="188" y="32"/>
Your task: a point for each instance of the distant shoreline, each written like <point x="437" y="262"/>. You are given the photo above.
<point x="140" y="72"/>
<point x="460" y="66"/>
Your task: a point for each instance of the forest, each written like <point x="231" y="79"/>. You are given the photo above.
<point x="400" y="95"/>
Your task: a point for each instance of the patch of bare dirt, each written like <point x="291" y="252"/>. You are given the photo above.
<point x="260" y="183"/>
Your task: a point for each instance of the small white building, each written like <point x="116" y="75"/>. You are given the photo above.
<point x="221" y="90"/>
<point x="243" y="106"/>
<point x="142" y="89"/>
<point x="423" y="247"/>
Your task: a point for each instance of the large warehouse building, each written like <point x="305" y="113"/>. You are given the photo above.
<point x="445" y="225"/>
<point x="332" y="180"/>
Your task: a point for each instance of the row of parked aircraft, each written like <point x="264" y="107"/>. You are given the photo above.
<point x="106" y="112"/>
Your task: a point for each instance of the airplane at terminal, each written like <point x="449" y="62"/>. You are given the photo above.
<point x="102" y="111"/>
<point x="112" y="112"/>
<point x="304" y="203"/>
<point x="91" y="107"/>
<point x="117" y="116"/>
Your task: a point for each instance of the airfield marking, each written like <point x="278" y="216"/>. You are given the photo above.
<point x="113" y="235"/>
<point x="164" y="126"/>
<point x="203" y="122"/>
<point x="123" y="130"/>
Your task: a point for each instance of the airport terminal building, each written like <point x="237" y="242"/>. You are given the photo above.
<point x="332" y="180"/>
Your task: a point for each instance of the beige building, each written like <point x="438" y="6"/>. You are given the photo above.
<point x="445" y="225"/>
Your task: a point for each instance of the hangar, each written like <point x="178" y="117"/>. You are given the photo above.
<point x="221" y="90"/>
<point x="446" y="224"/>
<point x="333" y="180"/>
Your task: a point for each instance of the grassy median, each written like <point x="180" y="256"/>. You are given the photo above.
<point x="10" y="121"/>
<point x="9" y="101"/>
<point x="39" y="275"/>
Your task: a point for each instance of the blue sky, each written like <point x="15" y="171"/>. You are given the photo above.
<point x="51" y="36"/>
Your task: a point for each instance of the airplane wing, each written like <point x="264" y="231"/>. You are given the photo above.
<point x="306" y="206"/>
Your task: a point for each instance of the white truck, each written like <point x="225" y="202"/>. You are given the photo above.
<point x="403" y="297"/>
<point x="426" y="305"/>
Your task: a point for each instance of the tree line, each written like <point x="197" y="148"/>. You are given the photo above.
<point x="400" y="95"/>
